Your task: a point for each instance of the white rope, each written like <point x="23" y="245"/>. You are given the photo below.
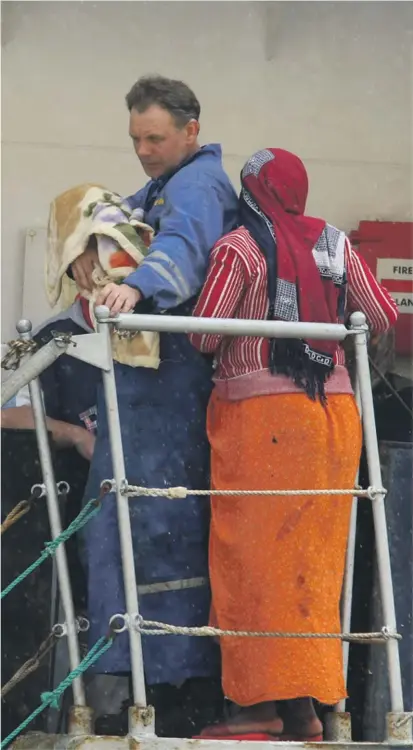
<point x="152" y="627"/>
<point x="179" y="493"/>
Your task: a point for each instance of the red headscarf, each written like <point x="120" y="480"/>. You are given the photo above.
<point x="305" y="260"/>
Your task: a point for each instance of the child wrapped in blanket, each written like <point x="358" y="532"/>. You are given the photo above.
<point x="91" y="216"/>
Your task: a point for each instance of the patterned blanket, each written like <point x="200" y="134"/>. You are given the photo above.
<point x="122" y="240"/>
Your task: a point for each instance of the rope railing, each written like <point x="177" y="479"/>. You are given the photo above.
<point x="122" y="622"/>
<point x="180" y="493"/>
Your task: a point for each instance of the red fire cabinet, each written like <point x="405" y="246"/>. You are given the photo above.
<point x="387" y="247"/>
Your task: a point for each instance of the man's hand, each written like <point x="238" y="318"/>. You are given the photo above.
<point x="120" y="298"/>
<point x="83" y="266"/>
<point x="84" y="442"/>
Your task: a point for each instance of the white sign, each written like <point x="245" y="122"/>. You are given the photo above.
<point x="395" y="268"/>
<point x="404" y="301"/>
<point x="402" y="270"/>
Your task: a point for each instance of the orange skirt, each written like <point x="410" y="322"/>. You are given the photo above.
<point x="277" y="563"/>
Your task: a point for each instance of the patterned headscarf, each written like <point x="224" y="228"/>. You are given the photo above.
<point x="305" y="262"/>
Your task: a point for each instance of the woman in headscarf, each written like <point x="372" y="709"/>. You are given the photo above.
<point x="282" y="416"/>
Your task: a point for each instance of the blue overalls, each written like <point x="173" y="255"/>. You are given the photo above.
<point x="163" y="415"/>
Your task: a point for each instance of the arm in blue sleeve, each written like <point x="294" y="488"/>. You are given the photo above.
<point x="138" y="199"/>
<point x="176" y="266"/>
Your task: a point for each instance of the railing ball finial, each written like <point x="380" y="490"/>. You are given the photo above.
<point x="357" y="319"/>
<point x="102" y="312"/>
<point x="24" y="326"/>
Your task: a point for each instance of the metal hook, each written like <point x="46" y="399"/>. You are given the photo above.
<point x="59" y="629"/>
<point x="63" y="488"/>
<point x="372" y="492"/>
<point x="38" y="490"/>
<point x="108" y="485"/>
<point x="116" y="619"/>
<point x="83" y="624"/>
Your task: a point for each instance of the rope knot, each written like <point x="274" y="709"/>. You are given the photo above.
<point x="139" y="622"/>
<point x="51" y="699"/>
<point x="177" y="493"/>
<point x="50" y="547"/>
<point x="387" y="633"/>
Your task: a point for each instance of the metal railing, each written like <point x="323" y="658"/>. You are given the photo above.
<point x="96" y="349"/>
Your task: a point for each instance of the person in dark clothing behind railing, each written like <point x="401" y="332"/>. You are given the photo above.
<point x="190" y="203"/>
<point x="69" y="390"/>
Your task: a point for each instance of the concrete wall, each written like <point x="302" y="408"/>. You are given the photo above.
<point x="331" y="81"/>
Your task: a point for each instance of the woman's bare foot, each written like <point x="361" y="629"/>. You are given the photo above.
<point x="300" y="718"/>
<point x="259" y="719"/>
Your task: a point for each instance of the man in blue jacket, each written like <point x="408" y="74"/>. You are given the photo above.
<point x="189" y="200"/>
<point x="190" y="203"/>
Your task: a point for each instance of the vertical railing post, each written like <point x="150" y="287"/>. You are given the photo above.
<point x="24" y="328"/>
<point x="125" y="533"/>
<point x="338" y="722"/>
<point x="348" y="584"/>
<point x="358" y="321"/>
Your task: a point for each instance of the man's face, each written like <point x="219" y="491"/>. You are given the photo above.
<point x="159" y="144"/>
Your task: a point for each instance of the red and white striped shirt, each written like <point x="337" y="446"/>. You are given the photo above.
<point x="236" y="287"/>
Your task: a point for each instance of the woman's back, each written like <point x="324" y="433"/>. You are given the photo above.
<point x="237" y="286"/>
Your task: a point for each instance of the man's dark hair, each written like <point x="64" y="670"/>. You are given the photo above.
<point x="174" y="96"/>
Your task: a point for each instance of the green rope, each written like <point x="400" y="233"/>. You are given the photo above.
<point x="90" y="510"/>
<point x="52" y="699"/>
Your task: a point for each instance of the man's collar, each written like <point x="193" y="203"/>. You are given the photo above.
<point x="170" y="173"/>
